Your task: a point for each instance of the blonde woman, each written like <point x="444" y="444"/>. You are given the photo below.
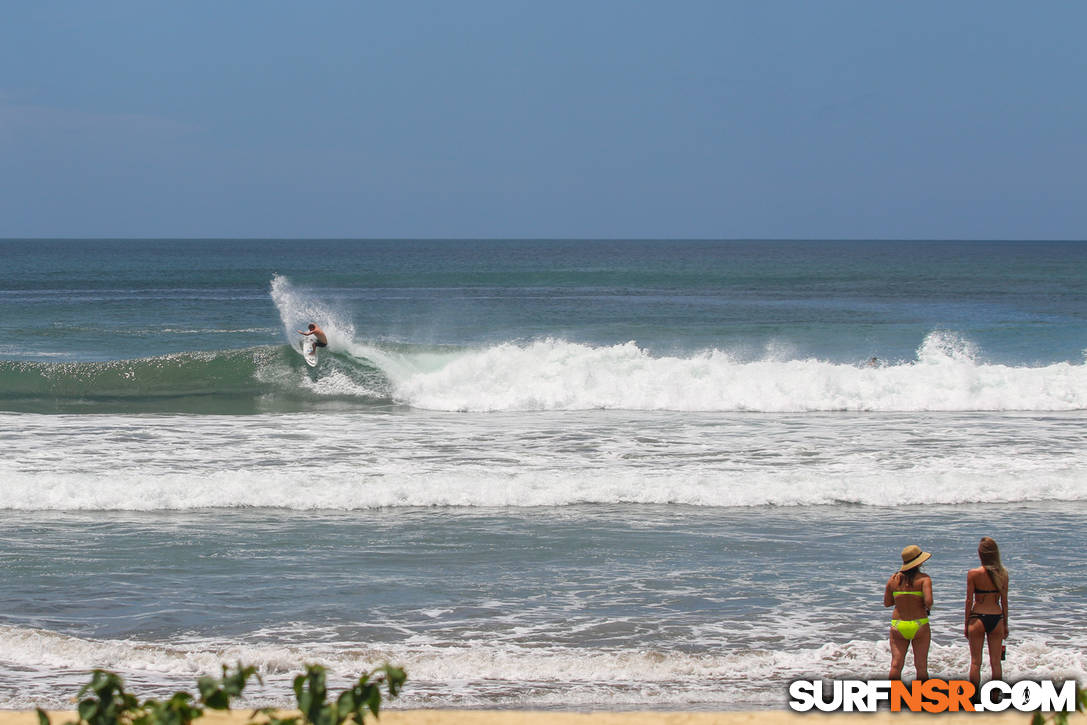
<point x="909" y="591"/>
<point x="987" y="609"/>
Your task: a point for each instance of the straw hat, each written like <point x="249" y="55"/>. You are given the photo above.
<point x="913" y="556"/>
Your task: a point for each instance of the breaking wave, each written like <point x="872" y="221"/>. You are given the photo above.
<point x="946" y="375"/>
<point x="543" y="375"/>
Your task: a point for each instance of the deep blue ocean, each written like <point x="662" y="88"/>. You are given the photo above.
<point x="537" y="474"/>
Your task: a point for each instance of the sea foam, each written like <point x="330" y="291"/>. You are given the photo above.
<point x="445" y="674"/>
<point x="286" y="480"/>
<point x="559" y="375"/>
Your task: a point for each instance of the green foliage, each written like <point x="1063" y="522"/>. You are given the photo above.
<point x="217" y="694"/>
<point x="311" y="692"/>
<point x="1061" y="718"/>
<point x="109" y="704"/>
<point x="365" y="694"/>
<point x="178" y="710"/>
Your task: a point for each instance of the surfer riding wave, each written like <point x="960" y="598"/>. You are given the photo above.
<point x="318" y="333"/>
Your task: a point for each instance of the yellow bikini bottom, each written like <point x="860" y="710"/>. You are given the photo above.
<point x="908" y="627"/>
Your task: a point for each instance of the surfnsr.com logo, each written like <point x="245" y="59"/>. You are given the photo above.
<point x="932" y="696"/>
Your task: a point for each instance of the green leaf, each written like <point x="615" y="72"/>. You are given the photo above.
<point x="206" y="685"/>
<point x="235" y="682"/>
<point x="217" y="693"/>
<point x="298" y="682"/>
<point x="345" y="705"/>
<point x="395" y="677"/>
<point x="88" y="709"/>
<point x="102" y="680"/>
<point x="43" y="717"/>
<point x="311" y="697"/>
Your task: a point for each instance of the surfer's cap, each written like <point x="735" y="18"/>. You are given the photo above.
<point x="913" y="556"/>
<point x="310" y="326"/>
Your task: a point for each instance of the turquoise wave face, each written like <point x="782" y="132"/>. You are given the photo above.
<point x="259" y="379"/>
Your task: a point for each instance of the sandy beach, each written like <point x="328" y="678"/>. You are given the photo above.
<point x="535" y="717"/>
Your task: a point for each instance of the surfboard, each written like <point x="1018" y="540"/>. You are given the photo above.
<point x="309" y="350"/>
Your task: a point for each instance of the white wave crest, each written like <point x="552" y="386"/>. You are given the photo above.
<point x="558" y="375"/>
<point x="396" y="459"/>
<point x="475" y="486"/>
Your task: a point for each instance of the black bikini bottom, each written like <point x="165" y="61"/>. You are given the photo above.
<point x="989" y="620"/>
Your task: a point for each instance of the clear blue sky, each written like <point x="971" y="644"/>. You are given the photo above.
<point x="551" y="118"/>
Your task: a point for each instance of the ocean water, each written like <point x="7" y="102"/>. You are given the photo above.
<point x="536" y="474"/>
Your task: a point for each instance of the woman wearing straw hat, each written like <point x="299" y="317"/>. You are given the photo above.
<point x="987" y="609"/>
<point x="909" y="591"/>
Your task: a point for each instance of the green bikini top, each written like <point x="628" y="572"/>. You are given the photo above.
<point x="895" y="594"/>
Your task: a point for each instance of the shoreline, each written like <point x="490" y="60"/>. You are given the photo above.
<point x="547" y="717"/>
